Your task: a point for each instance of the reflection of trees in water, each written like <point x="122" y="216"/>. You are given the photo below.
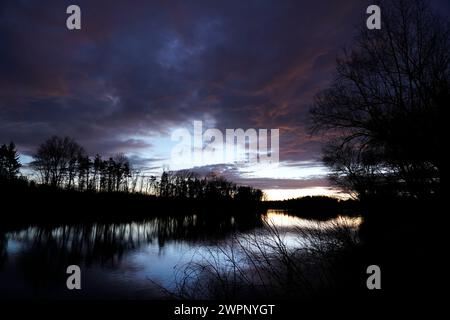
<point x="105" y="244"/>
<point x="202" y="227"/>
<point x="47" y="251"/>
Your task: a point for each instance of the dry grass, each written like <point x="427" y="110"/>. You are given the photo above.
<point x="265" y="265"/>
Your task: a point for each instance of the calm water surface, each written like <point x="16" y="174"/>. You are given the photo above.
<point x="128" y="260"/>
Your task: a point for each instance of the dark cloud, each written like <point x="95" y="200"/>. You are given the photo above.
<point x="138" y="68"/>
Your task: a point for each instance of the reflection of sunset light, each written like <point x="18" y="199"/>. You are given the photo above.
<point x="278" y="219"/>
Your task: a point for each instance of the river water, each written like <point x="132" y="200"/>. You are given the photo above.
<point x="130" y="260"/>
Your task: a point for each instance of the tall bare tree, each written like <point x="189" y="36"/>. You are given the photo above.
<point x="384" y="105"/>
<point x="56" y="161"/>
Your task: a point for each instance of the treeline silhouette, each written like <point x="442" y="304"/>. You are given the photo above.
<point x="73" y="187"/>
<point x="317" y="207"/>
<point x="61" y="163"/>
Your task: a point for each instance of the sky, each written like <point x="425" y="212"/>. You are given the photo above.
<point x="138" y="70"/>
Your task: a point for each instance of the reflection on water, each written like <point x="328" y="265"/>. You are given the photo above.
<point x="280" y="218"/>
<point x="119" y="259"/>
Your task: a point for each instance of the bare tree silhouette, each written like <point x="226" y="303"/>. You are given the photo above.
<point x="383" y="106"/>
<point x="56" y="161"/>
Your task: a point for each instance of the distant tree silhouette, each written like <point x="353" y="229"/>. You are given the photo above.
<point x="187" y="185"/>
<point x="63" y="163"/>
<point x="119" y="171"/>
<point x="383" y="107"/>
<point x="248" y="193"/>
<point x="97" y="167"/>
<point x="318" y="207"/>
<point x="84" y="169"/>
<point x="9" y="162"/>
<point x="57" y="161"/>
